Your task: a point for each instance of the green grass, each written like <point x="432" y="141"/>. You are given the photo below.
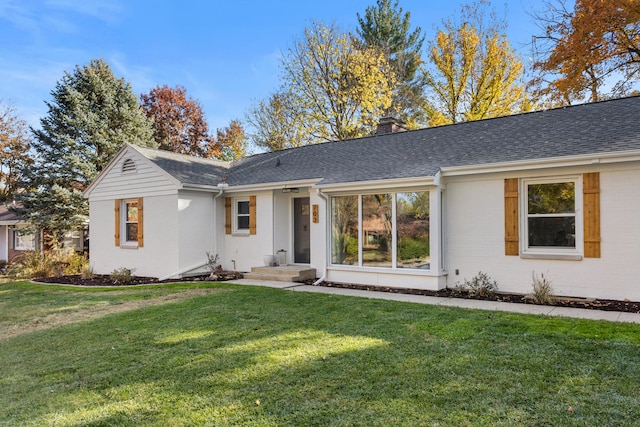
<point x="265" y="357"/>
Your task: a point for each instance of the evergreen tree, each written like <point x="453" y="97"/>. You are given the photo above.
<point x="92" y="115"/>
<point x="385" y="27"/>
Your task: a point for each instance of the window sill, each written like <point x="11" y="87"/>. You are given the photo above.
<point x="386" y="270"/>
<point x="129" y="246"/>
<point x="552" y="256"/>
<point x="241" y="234"/>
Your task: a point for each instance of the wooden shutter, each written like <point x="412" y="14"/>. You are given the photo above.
<point x="591" y="204"/>
<point x="227" y="215"/>
<point x="511" y="243"/>
<point x="140" y="223"/>
<point x="252" y="215"/>
<point x="117" y="221"/>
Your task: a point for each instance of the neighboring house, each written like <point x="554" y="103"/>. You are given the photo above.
<point x="14" y="239"/>
<point x="554" y="192"/>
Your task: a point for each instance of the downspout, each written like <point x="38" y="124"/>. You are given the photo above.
<point x="221" y="187"/>
<point x="324" y="275"/>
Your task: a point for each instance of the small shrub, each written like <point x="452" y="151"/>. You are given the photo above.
<point x="213" y="264"/>
<point x="121" y="275"/>
<point x="542" y="289"/>
<point x="87" y="272"/>
<point x="480" y="285"/>
<point x="33" y="265"/>
<point x="3" y="264"/>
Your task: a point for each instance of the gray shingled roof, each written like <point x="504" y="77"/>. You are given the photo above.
<point x="187" y="169"/>
<point x="603" y="127"/>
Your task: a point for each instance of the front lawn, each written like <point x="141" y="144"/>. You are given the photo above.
<point x="227" y="355"/>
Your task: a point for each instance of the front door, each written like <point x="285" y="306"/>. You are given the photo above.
<point x="301" y="223"/>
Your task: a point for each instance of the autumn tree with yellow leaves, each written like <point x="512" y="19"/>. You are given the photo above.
<point x="474" y="73"/>
<point x="592" y="51"/>
<point x="331" y="90"/>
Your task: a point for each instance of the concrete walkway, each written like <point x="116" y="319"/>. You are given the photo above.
<point x="578" y="313"/>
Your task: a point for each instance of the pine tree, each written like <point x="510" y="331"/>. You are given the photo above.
<point x="92" y="115"/>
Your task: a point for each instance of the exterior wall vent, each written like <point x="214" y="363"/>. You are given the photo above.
<point x="128" y="166"/>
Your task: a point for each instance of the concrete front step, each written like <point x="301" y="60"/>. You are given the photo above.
<point x="285" y="273"/>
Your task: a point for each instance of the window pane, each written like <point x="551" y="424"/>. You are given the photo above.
<point x="132" y="232"/>
<point x="344" y="230"/>
<point x="549" y="231"/>
<point x="412" y="221"/>
<point x="243" y="222"/>
<point x="132" y="212"/>
<point x="243" y="208"/>
<point x="376" y="230"/>
<point x="552" y="198"/>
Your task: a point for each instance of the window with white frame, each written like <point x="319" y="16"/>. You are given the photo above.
<point x="242" y="215"/>
<point x="23" y="241"/>
<point x="130" y="223"/>
<point x="381" y="230"/>
<point x="552" y="221"/>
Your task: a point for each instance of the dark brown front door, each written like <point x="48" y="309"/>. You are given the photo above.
<point x="301" y="235"/>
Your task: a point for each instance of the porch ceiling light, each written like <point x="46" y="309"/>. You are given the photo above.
<point x="290" y="190"/>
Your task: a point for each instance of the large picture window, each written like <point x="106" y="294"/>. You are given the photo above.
<point x="388" y="230"/>
<point x="344" y="230"/>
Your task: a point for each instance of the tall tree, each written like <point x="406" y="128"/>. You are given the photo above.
<point x="585" y="50"/>
<point x="92" y="115"/>
<point x="14" y="151"/>
<point x="179" y="124"/>
<point x="278" y="123"/>
<point x="387" y="28"/>
<point x="474" y="73"/>
<point x="229" y="144"/>
<point x="340" y="90"/>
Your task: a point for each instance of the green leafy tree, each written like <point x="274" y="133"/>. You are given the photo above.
<point x="474" y="72"/>
<point x="92" y="115"/>
<point x="15" y="142"/>
<point x="387" y="28"/>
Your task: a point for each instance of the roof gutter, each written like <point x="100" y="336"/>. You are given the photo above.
<point x="418" y="181"/>
<point x="565" y="161"/>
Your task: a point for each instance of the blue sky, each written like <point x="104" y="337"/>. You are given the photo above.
<point x="226" y="53"/>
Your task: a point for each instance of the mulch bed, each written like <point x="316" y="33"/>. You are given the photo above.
<point x="105" y="279"/>
<point x="592" y="304"/>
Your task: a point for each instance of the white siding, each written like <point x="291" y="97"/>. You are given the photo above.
<point x="319" y="235"/>
<point x="248" y="251"/>
<point x="475" y="238"/>
<point x="195" y="216"/>
<point x="157" y="258"/>
<point x="147" y="180"/>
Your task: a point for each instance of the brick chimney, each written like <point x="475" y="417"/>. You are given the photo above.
<point x="390" y="125"/>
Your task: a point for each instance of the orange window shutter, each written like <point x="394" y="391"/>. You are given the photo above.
<point x="117" y="221"/>
<point x="140" y="223"/>
<point x="511" y="236"/>
<point x="591" y="204"/>
<point x="252" y="215"/>
<point x="227" y="215"/>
